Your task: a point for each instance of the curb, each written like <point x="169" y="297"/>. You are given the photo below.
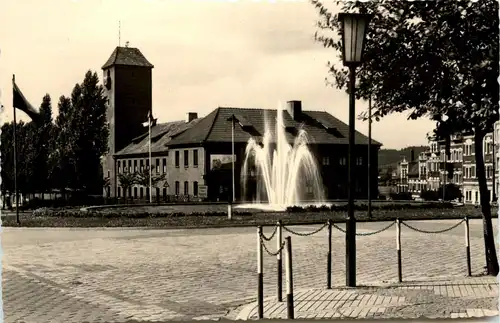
<point x="244" y="311"/>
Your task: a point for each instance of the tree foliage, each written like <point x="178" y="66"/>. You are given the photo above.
<point x="62" y="154"/>
<point x="429" y="59"/>
<point x="142" y="178"/>
<point x="127" y="180"/>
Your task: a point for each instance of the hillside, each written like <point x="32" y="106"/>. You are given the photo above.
<point x="393" y="156"/>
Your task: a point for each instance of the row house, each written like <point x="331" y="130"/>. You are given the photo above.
<point x="435" y="168"/>
<point x="134" y="160"/>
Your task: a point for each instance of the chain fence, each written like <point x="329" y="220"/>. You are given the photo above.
<point x="270" y="253"/>
<point x="364" y="234"/>
<point x="301" y="234"/>
<point x="432" y="232"/>
<point x="271" y="236"/>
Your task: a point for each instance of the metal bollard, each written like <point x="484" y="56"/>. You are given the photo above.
<point x="229" y="211"/>
<point x="280" y="262"/>
<point x="289" y="279"/>
<point x="260" y="275"/>
<point x="329" y="257"/>
<point x="467" y="246"/>
<point x="398" y="248"/>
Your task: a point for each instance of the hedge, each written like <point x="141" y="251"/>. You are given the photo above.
<point x="364" y="207"/>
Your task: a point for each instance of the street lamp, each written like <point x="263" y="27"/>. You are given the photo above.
<point x="354" y="27"/>
<point x="233" y="120"/>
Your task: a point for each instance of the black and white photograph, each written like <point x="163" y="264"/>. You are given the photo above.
<point x="179" y="160"/>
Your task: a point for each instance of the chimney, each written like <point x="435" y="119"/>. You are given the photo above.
<point x="191" y="116"/>
<point x="412" y="155"/>
<point x="294" y="108"/>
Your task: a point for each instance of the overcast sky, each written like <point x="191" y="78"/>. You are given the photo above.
<point x="251" y="54"/>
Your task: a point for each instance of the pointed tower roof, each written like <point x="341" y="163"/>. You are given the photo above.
<point x="127" y="56"/>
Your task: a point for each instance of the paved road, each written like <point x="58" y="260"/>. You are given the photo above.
<point x="115" y="275"/>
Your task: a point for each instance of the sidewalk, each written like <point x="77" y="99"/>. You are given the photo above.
<point x="458" y="298"/>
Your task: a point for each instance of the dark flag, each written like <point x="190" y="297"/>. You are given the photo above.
<point x="20" y="102"/>
<point x="151" y="120"/>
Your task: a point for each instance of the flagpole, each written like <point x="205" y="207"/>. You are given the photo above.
<point x="232" y="158"/>
<point x="150" y="162"/>
<point x="15" y="154"/>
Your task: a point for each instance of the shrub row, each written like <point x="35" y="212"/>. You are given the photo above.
<point x="364" y="207"/>
<point x="45" y="212"/>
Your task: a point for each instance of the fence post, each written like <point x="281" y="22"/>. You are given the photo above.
<point x="329" y="257"/>
<point x="398" y="248"/>
<point x="467" y="245"/>
<point x="280" y="262"/>
<point x="289" y="279"/>
<point x="260" y="275"/>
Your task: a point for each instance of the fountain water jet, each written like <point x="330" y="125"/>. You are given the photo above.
<point x="281" y="173"/>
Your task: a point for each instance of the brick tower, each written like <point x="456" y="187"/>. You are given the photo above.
<point x="127" y="76"/>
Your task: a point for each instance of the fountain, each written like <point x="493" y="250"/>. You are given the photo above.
<point x="282" y="171"/>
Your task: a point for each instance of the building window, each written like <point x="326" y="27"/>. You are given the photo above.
<point x="135" y="165"/>
<point x="141" y="194"/>
<point x="141" y="163"/>
<point x="157" y="161"/>
<point x="119" y="166"/>
<point x="164" y="165"/>
<point x="157" y="192"/>
<point x="109" y="174"/>
<point x="326" y="161"/>
<point x="130" y="166"/>
<point x="359" y="161"/>
<point x="177" y="162"/>
<point x="177" y="188"/>
<point x="135" y="192"/>
<point x="186" y="158"/>
<point x="186" y="188"/>
<point x="473" y="172"/>
<point x="342" y="161"/>
<point x="147" y="163"/>
<point x="119" y="191"/>
<point x="164" y="192"/>
<point x="195" y="158"/>
<point x="195" y="188"/>
<point x="147" y="192"/>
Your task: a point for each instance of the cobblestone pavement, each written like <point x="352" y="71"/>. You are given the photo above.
<point x="121" y="275"/>
<point x="437" y="299"/>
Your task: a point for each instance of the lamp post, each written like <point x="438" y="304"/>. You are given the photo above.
<point x="354" y="27"/>
<point x="369" y="156"/>
<point x="233" y="120"/>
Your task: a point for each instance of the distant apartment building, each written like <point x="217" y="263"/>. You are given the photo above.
<point x="434" y="168"/>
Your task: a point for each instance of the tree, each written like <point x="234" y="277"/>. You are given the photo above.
<point x="7" y="160"/>
<point x="62" y="156"/>
<point x="143" y="176"/>
<point x="451" y="192"/>
<point x="44" y="143"/>
<point x="127" y="180"/>
<point x="429" y="59"/>
<point x="82" y="135"/>
<point x="89" y="125"/>
<point x="386" y="175"/>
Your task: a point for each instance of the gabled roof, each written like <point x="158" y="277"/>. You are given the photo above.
<point x="161" y="134"/>
<point x="413" y="169"/>
<point x="127" y="56"/>
<point x="216" y="127"/>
